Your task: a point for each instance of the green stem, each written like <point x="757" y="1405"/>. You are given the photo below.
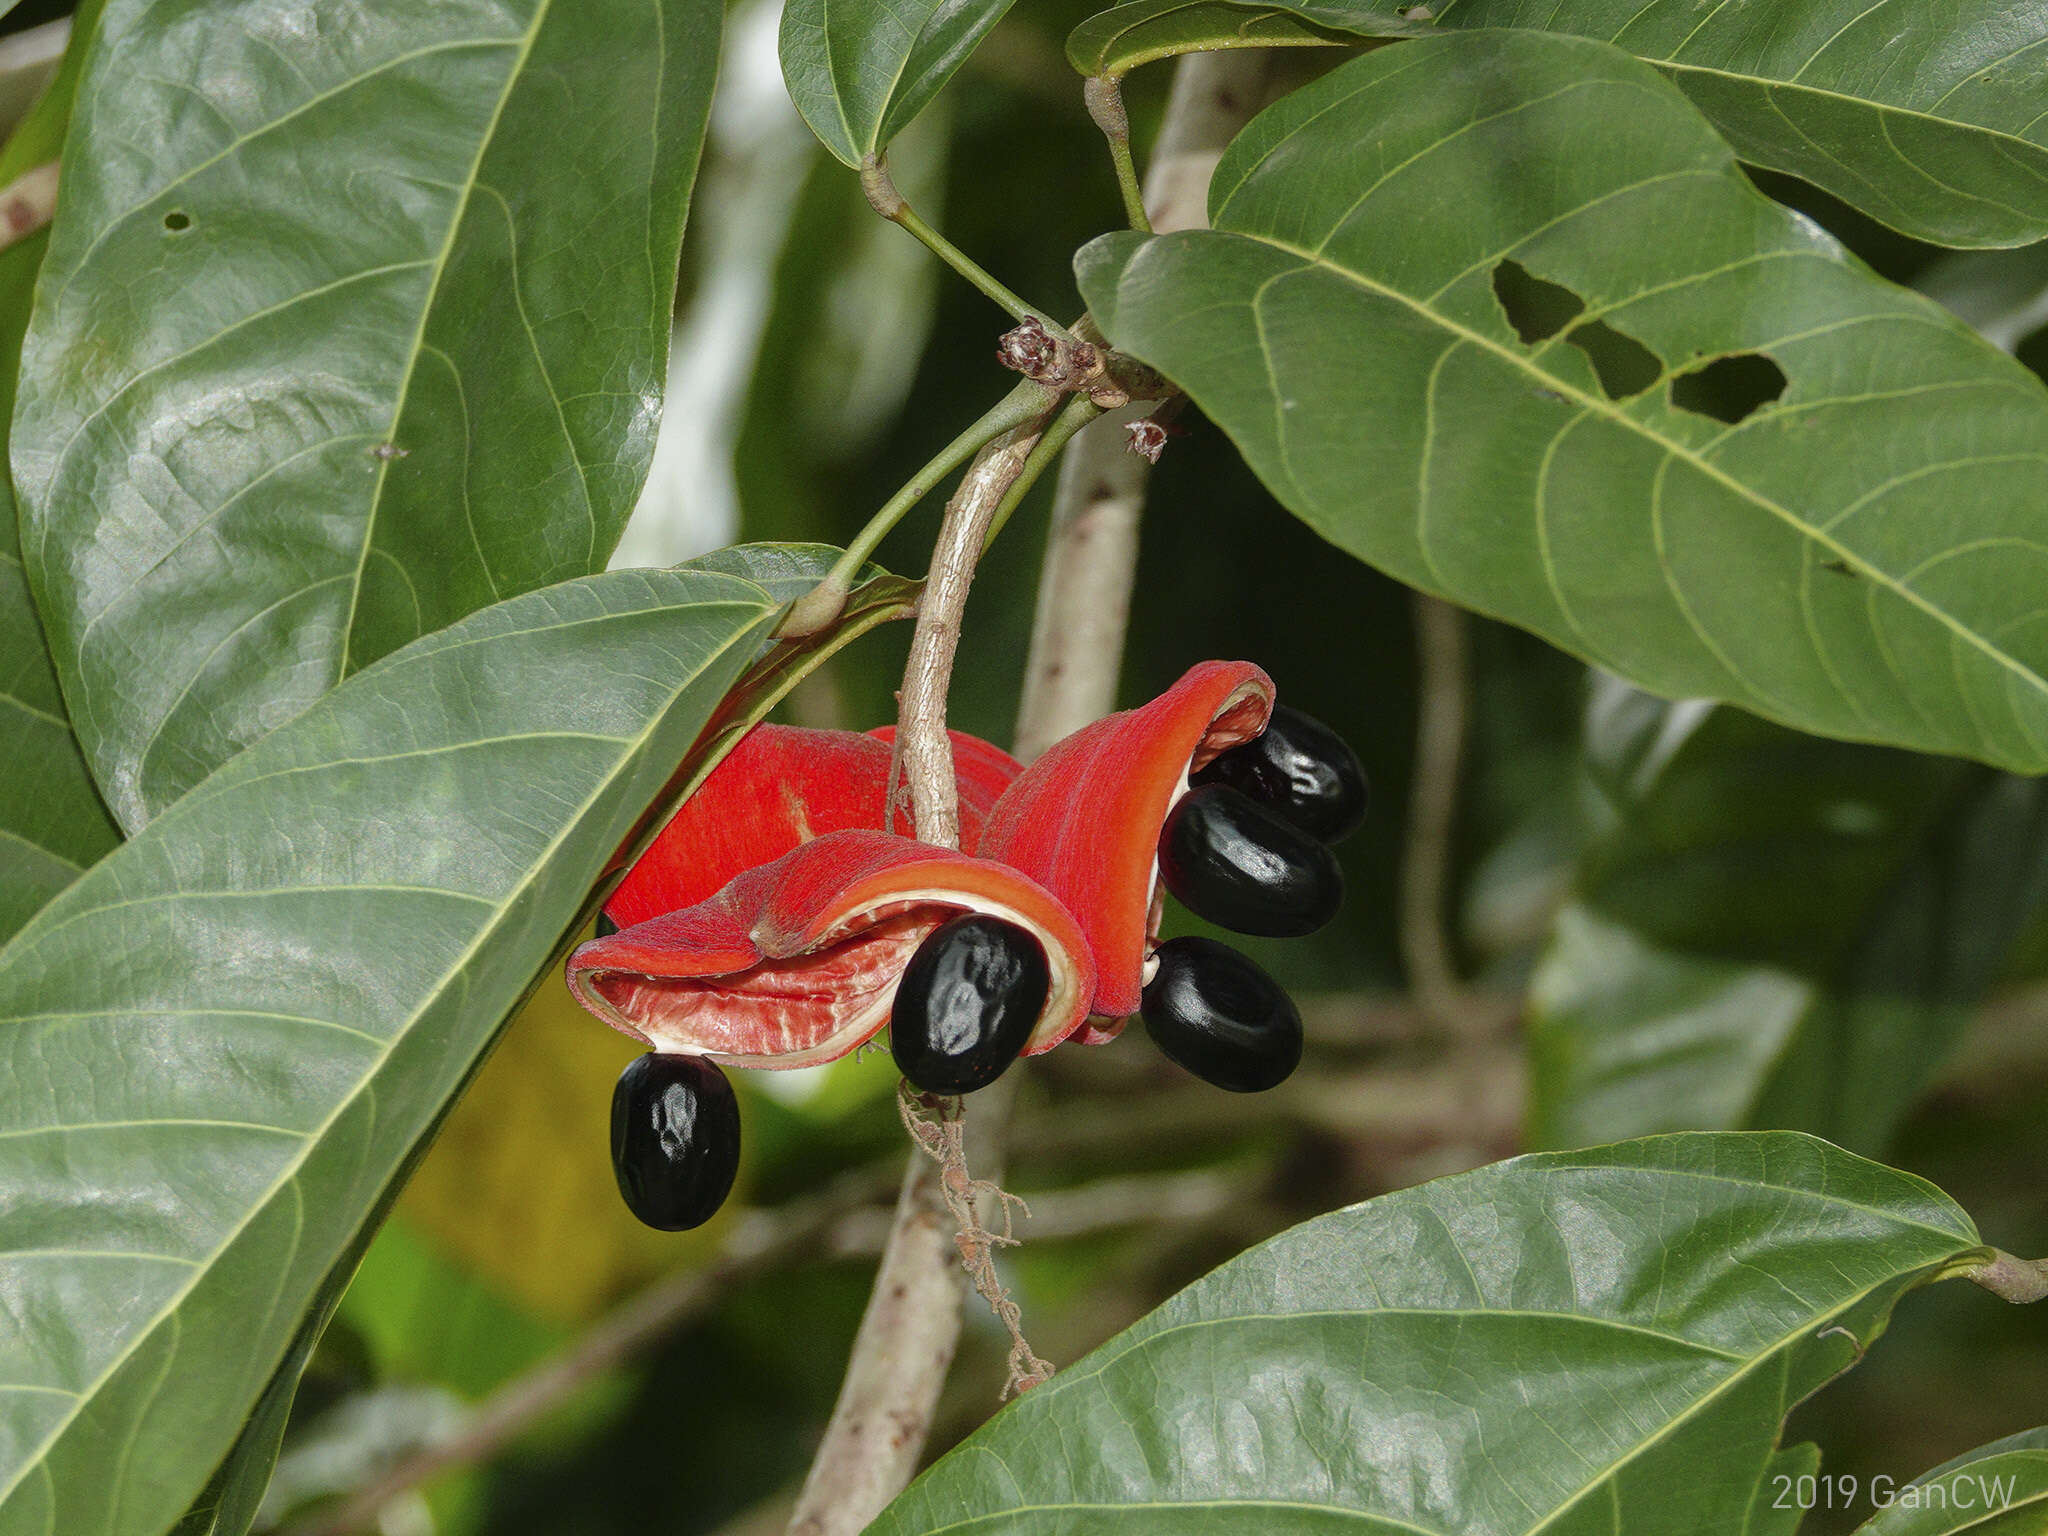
<point x="1106" y="105"/>
<point x="823" y="603"/>
<point x="888" y="202"/>
<point x="1078" y="413"/>
<point x="1127" y="183"/>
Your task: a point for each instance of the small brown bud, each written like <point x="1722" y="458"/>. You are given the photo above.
<point x="1148" y="439"/>
<point x="1029" y="349"/>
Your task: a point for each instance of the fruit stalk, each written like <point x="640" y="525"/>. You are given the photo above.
<point x="1213" y="97"/>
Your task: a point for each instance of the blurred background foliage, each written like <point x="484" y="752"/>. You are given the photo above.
<point x="1665" y="916"/>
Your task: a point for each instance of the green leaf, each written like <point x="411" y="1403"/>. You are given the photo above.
<point x="1118" y="40"/>
<point x="1774" y="930"/>
<point x="860" y="70"/>
<point x="1862" y="557"/>
<point x="1999" y="1489"/>
<point x="1926" y="117"/>
<point x="53" y="825"/>
<point x="224" y="1042"/>
<point x="345" y="331"/>
<point x="1421" y="1362"/>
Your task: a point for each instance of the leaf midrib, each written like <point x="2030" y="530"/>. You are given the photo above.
<point x="1594" y="1482"/>
<point x="1608" y="411"/>
<point x="513" y="74"/>
<point x="37" y="1458"/>
<point x="1778" y="82"/>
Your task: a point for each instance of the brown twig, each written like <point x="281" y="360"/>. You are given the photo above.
<point x="922" y="747"/>
<point x="884" y="1409"/>
<point x="2019" y="1281"/>
<point x="912" y="1322"/>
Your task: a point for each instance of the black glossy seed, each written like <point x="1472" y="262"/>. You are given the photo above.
<point x="967" y="1003"/>
<point x="675" y="1140"/>
<point x="1242" y="867"/>
<point x="1299" y="769"/>
<point x="605" y="926"/>
<point x="1214" y="1012"/>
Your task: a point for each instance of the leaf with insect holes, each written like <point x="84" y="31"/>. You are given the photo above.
<point x="1928" y="117"/>
<point x="1421" y="1362"/>
<point x="1597" y="385"/>
<point x="354" y="320"/>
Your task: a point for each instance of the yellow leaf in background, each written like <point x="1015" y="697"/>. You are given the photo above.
<point x="518" y="1187"/>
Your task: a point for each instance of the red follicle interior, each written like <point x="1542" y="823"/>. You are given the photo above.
<point x="781" y="1013"/>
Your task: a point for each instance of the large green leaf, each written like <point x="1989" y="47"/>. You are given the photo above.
<point x="1118" y="40"/>
<point x="1773" y="930"/>
<point x="1925" y="116"/>
<point x="1999" y="1489"/>
<point x="1861" y="557"/>
<point x="860" y="70"/>
<point x="222" y="1043"/>
<point x="52" y="823"/>
<point x="347" y="328"/>
<point x="1557" y="1344"/>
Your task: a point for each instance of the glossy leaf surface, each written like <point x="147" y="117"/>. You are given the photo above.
<point x="52" y="823"/>
<point x="1860" y="556"/>
<point x="1773" y="930"/>
<point x="223" y="1042"/>
<point x="1927" y="117"/>
<point x="1118" y="40"/>
<point x="267" y="437"/>
<point x="860" y="70"/>
<point x="1420" y="1362"/>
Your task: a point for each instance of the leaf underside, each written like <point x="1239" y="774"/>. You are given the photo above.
<point x="1421" y="1363"/>
<point x="1927" y="117"/>
<point x="1844" y="529"/>
<point x="347" y="328"/>
<point x="1111" y="43"/>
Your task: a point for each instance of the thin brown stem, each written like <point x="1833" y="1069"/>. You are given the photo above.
<point x="922" y="746"/>
<point x="912" y="1324"/>
<point x="907" y="1336"/>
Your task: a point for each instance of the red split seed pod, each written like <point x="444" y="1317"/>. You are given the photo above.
<point x="770" y="922"/>
<point x="796" y="962"/>
<point x="778" y="787"/>
<point x="1084" y="820"/>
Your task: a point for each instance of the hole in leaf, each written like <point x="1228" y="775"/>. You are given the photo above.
<point x="1729" y="388"/>
<point x="1537" y="310"/>
<point x="176" y="222"/>
<point x="1625" y="366"/>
